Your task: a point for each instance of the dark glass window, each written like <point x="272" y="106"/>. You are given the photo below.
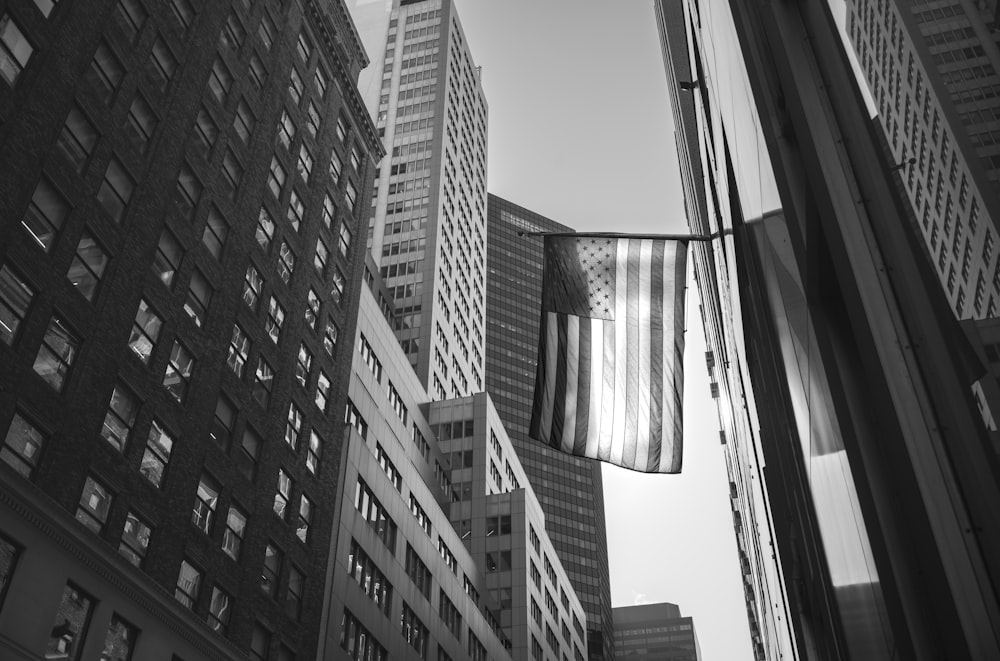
<point x="116" y="190"/>
<point x="21" y="449"/>
<point x="15" y="50"/>
<point x="45" y="215"/>
<point x="88" y="266"/>
<point x="56" y="354"/>
<point x="77" y="138"/>
<point x="15" y="297"/>
<point x="69" y="629"/>
<point x="106" y="72"/>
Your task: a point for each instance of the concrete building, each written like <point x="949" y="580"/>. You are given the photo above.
<point x="569" y="489"/>
<point x="428" y="216"/>
<point x="932" y="69"/>
<point x="179" y="260"/>
<point x="837" y="362"/>
<point x="654" y="632"/>
<point x="438" y="548"/>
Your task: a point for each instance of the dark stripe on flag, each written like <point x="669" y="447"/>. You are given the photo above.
<point x="583" y="391"/>
<point x="540" y="377"/>
<point x="632" y="349"/>
<point x="559" y="401"/>
<point x="656" y="431"/>
<point x="608" y="394"/>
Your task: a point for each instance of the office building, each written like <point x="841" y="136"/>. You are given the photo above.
<point x="854" y="448"/>
<point x="428" y="222"/>
<point x="438" y="548"/>
<point x="570" y="489"/>
<point x="180" y="256"/>
<point x="654" y="632"/>
<point x="932" y="71"/>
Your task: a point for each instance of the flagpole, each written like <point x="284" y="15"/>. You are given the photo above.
<point x="616" y="235"/>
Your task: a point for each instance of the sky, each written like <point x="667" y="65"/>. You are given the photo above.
<point x="580" y="131"/>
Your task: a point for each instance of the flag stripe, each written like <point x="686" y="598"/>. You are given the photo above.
<point x="549" y="386"/>
<point x="578" y="444"/>
<point x="643" y="368"/>
<point x="656" y="300"/>
<point x="558" y="407"/>
<point x="597" y="398"/>
<point x="565" y="440"/>
<point x="632" y="352"/>
<point x="620" y="356"/>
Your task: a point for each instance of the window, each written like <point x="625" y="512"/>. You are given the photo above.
<point x="232" y="172"/>
<point x="418" y="572"/>
<point x="351" y="193"/>
<point x="330" y="337"/>
<point x="77" y="138"/>
<point x="320" y="82"/>
<point x="304" y="48"/>
<point x="313" y="119"/>
<point x="56" y="354"/>
<point x="142" y="120"/>
<point x="275" y="317"/>
<point x="220" y="81"/>
<point x="234" y="34"/>
<point x="536" y="576"/>
<point x="314" y="452"/>
<point x="355" y="159"/>
<point x="168" y="258"/>
<point x="321" y="257"/>
<point x="120" y="417"/>
<point x="87" y="267"/>
<point x="449" y="557"/>
<point x="415" y="632"/>
<point x="183" y="12"/>
<point x="145" y="331"/>
<point x="337" y="283"/>
<point x="218" y="610"/>
<point x="207" y="497"/>
<point x="265" y="229"/>
<point x="162" y="64"/>
<point x="475" y="648"/>
<point x="216" y="231"/>
<point x="286" y="130"/>
<point x="345" y="239"/>
<point x="295" y="86"/>
<point x="131" y="16"/>
<point x="257" y="72"/>
<point x="329" y="211"/>
<point x="312" y="308"/>
<point x="15" y="51"/>
<point x="198" y="297"/>
<point x="262" y="381"/>
<point x="305" y="519"/>
<point x="106" y="71"/>
<point x="159" y="444"/>
<point x="322" y="391"/>
<point x="293" y="599"/>
<point x="178" y="374"/>
<point x="135" y="539"/>
<point x="69" y="629"/>
<point x="244" y="122"/>
<point x="369" y="578"/>
<point x="116" y="189"/>
<point x="222" y="422"/>
<point x="260" y="641"/>
<point x="296" y="210"/>
<point x="239" y="348"/>
<point x="252" y="285"/>
<point x="390" y="469"/>
<point x="341" y="128"/>
<point x="369" y="357"/>
<point x="22" y="448"/>
<point x="207" y="132"/>
<point x="267" y="31"/>
<point x="45" y="215"/>
<point x="373" y="512"/>
<point x="188" y="584"/>
<point x="249" y="451"/>
<point x="336" y="166"/>
<point x="276" y="178"/>
<point x="358" y="642"/>
<point x="232" y="538"/>
<point x="95" y="503"/>
<point x="282" y="494"/>
<point x="15" y="297"/>
<point x="305" y="162"/>
<point x="293" y="426"/>
<point x="303" y="365"/>
<point x="271" y="570"/>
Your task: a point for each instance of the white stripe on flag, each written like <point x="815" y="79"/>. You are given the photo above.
<point x="596" y="385"/>
<point x="621" y="351"/>
<point x="645" y="268"/>
<point x="669" y="307"/>
<point x="551" y="363"/>
<point x="572" y="378"/>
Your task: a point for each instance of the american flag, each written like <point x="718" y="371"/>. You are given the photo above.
<point x="611" y="342"/>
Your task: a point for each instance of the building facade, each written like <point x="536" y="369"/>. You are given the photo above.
<point x="438" y="554"/>
<point x="654" y="632"/>
<point x="821" y="307"/>
<point x="932" y="69"/>
<point x="177" y="265"/>
<point x="428" y="216"/>
<point x="570" y="489"/>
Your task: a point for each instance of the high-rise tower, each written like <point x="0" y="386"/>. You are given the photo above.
<point x="932" y="70"/>
<point x="180" y="261"/>
<point x="428" y="220"/>
<point x="569" y="489"/>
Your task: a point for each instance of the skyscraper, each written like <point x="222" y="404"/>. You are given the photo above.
<point x="654" y="632"/>
<point x="428" y="222"/>
<point x="178" y="264"/>
<point x="850" y="432"/>
<point x="932" y="70"/>
<point x="570" y="489"/>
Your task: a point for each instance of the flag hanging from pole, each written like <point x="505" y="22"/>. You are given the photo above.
<point x="611" y="345"/>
